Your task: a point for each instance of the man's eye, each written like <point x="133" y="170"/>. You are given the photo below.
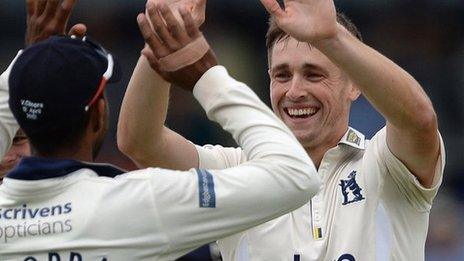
<point x="19" y="140"/>
<point x="314" y="77"/>
<point x="282" y="76"/>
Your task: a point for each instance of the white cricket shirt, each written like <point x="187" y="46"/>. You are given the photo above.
<point x="371" y="207"/>
<point x="67" y="210"/>
<point x="8" y="124"/>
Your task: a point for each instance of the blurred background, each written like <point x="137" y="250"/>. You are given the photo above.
<point x="426" y="37"/>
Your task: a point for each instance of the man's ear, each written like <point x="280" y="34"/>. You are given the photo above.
<point x="97" y="116"/>
<point x="353" y="92"/>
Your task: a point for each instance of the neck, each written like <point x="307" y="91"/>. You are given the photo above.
<point x="79" y="154"/>
<point x="317" y="152"/>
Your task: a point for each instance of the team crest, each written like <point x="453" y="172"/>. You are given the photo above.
<point x="350" y="189"/>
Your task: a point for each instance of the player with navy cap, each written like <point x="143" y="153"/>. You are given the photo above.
<point x="44" y="18"/>
<point x="58" y="205"/>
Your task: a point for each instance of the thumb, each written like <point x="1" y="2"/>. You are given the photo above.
<point x="274" y="9"/>
<point x="78" y="30"/>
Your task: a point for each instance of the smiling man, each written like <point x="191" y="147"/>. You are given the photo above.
<point x="308" y="91"/>
<point x="377" y="193"/>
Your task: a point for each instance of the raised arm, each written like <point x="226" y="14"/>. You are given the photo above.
<point x="412" y="133"/>
<point x="142" y="135"/>
<point x="279" y="176"/>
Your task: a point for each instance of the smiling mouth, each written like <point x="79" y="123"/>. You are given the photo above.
<point x="301" y="113"/>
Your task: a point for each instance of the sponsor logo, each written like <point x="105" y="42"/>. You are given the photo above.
<point x="32" y="222"/>
<point x="206" y="189"/>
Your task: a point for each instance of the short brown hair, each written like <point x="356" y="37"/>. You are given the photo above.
<point x="275" y="34"/>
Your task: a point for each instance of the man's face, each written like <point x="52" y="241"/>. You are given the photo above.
<point x="309" y="93"/>
<point x="19" y="149"/>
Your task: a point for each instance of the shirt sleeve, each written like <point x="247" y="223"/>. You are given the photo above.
<point x="8" y="124"/>
<point x="201" y="206"/>
<point x="218" y="157"/>
<point x="418" y="196"/>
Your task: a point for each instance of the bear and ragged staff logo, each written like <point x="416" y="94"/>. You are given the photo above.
<point x="351" y="191"/>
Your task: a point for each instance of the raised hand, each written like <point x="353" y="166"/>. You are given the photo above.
<point x="50" y="17"/>
<point x="169" y="37"/>
<point x="305" y="20"/>
<point x="197" y="8"/>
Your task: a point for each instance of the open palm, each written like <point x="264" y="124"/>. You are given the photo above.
<point x="304" y="20"/>
<point x="197" y="8"/>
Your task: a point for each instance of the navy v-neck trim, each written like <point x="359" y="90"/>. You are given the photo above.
<point x="34" y="168"/>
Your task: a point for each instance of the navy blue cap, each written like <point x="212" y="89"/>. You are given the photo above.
<point x="52" y="82"/>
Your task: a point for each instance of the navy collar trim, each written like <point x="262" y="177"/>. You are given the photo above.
<point x="33" y="168"/>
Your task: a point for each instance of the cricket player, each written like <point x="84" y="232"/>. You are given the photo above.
<point x="44" y="18"/>
<point x="377" y="193"/>
<point x="57" y="205"/>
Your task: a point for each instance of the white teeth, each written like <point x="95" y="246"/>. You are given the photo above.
<point x="301" y="112"/>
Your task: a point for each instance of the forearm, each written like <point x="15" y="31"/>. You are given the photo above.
<point x="390" y="89"/>
<point x="143" y="112"/>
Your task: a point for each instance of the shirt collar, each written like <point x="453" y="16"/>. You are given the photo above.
<point x="34" y="168"/>
<point x="354" y="139"/>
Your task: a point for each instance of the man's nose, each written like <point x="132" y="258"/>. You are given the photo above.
<point x="296" y="91"/>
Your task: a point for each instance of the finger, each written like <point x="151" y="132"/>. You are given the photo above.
<point x="79" y="30"/>
<point x="201" y="5"/>
<point x="50" y="9"/>
<point x="65" y="12"/>
<point x="190" y="25"/>
<point x="173" y="25"/>
<point x="151" y="57"/>
<point x="30" y="7"/>
<point x="40" y="7"/>
<point x="154" y="63"/>
<point x="273" y="7"/>
<point x="160" y="28"/>
<point x="149" y="36"/>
